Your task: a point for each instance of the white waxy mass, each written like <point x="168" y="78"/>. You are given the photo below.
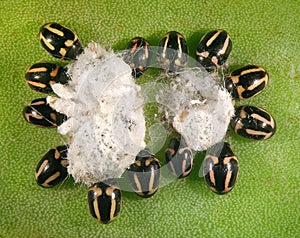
<point x="106" y="124"/>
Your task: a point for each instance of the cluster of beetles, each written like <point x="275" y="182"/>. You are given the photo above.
<point x="220" y="166"/>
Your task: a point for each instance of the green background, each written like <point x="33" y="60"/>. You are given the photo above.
<point x="266" y="199"/>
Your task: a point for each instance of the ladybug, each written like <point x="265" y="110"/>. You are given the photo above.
<point x="213" y="49"/>
<point x="172" y="53"/>
<point x="52" y="168"/>
<point x="179" y="158"/>
<point x="144" y="174"/>
<point x="220" y="168"/>
<point x="41" y="76"/>
<point x="60" y="41"/>
<point x="39" y="113"/>
<point x="247" y="82"/>
<point x="253" y="123"/>
<point x="138" y="55"/>
<point x="104" y="200"/>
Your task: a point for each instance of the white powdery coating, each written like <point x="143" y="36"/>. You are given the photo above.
<point x="106" y="125"/>
<point x="201" y="109"/>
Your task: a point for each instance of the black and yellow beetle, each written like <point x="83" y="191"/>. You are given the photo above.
<point x="41" y="76"/>
<point x="247" y="81"/>
<point x="39" y="113"/>
<point x="253" y="123"/>
<point x="220" y="168"/>
<point x="179" y="158"/>
<point x="104" y="199"/>
<point x="138" y="55"/>
<point x="60" y="41"/>
<point x="172" y="53"/>
<point x="52" y="168"/>
<point x="144" y="174"/>
<point x="213" y="49"/>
